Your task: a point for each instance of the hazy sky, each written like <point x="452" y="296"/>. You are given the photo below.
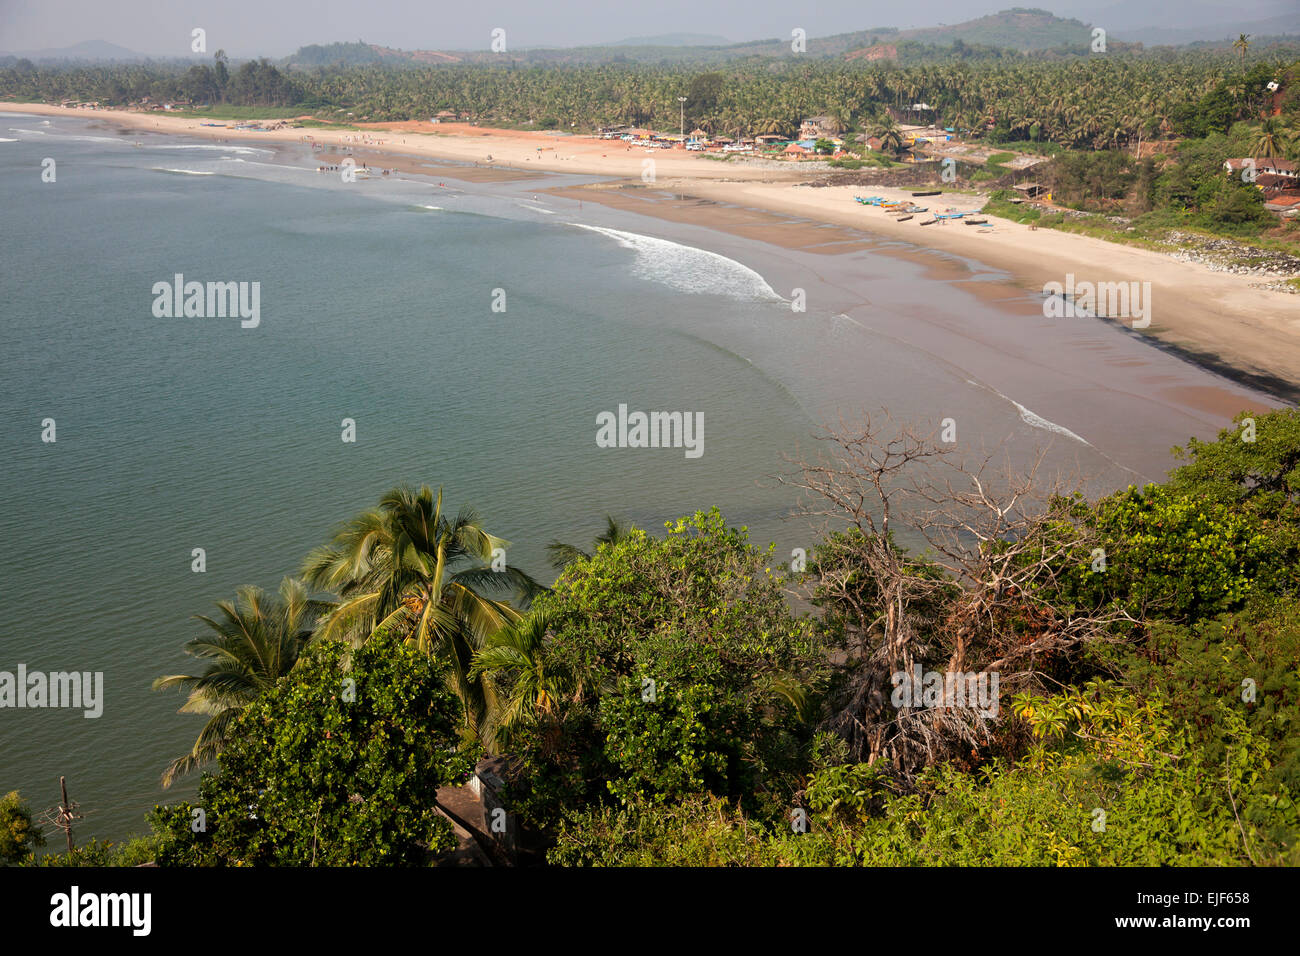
<point x="278" y="27"/>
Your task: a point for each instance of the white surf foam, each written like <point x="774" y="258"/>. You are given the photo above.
<point x="244" y="150"/>
<point x="187" y="172"/>
<point x="34" y="132"/>
<point x="1035" y="420"/>
<point x="688" y="269"/>
<point x="7" y="139"/>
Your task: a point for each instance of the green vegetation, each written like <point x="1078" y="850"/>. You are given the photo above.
<point x="1078" y="103"/>
<point x="338" y="765"/>
<point x="406" y="568"/>
<point x="254" y="641"/>
<point x="133" y="852"/>
<point x="661" y="704"/>
<point x="227" y="112"/>
<point x="18" y="838"/>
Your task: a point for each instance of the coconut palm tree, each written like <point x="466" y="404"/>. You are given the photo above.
<point x="1272" y="140"/>
<point x="536" y="685"/>
<point x="562" y="555"/>
<point x="407" y="568"/>
<point x="1242" y="44"/>
<point x="886" y="130"/>
<point x="254" y="641"/>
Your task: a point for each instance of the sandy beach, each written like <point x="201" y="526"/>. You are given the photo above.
<point x="1217" y="319"/>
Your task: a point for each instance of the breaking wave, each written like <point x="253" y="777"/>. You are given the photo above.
<point x="688" y="269"/>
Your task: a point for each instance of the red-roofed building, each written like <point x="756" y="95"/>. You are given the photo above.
<point x="1285" y="206"/>
<point x="1278" y="167"/>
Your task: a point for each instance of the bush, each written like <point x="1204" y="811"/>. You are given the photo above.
<point x="701" y="613"/>
<point x="18" y="838"/>
<point x="1174" y="553"/>
<point x="339" y="765"/>
<point x="1121" y="784"/>
<point x="134" y="852"/>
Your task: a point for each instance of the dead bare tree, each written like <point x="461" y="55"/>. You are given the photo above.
<point x="974" y="598"/>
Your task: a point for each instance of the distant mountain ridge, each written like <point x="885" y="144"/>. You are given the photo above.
<point x="1022" y="29"/>
<point x="85" y="50"/>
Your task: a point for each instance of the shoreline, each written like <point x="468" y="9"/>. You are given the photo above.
<point x="1216" y="320"/>
<point x="950" y="264"/>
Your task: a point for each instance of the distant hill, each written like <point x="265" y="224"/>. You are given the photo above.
<point x="86" y="50"/>
<point x="1019" y="28"/>
<point x="363" y="54"/>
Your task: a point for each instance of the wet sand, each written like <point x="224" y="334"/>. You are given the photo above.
<point x="1127" y="400"/>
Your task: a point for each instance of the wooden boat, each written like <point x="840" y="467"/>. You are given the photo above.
<point x="916" y="209"/>
<point x="975" y="222"/>
<point x="902" y="219"/>
<point x="929" y="222"/>
<point x="932" y="192"/>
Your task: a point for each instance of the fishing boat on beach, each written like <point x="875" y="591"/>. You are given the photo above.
<point x="975" y="222"/>
<point x="932" y="192"/>
<point x="929" y="222"/>
<point x="902" y="219"/>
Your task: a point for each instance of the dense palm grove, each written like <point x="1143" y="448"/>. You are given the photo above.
<point x="662" y="704"/>
<point x="1097" y="102"/>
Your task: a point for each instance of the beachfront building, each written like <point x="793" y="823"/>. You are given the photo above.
<point x="1277" y="179"/>
<point x="1275" y="167"/>
<point x="818" y="127"/>
<point x="1278" y="167"/>
<point x="1033" y="191"/>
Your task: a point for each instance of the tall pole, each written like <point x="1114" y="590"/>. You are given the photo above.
<point x="681" y="100"/>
